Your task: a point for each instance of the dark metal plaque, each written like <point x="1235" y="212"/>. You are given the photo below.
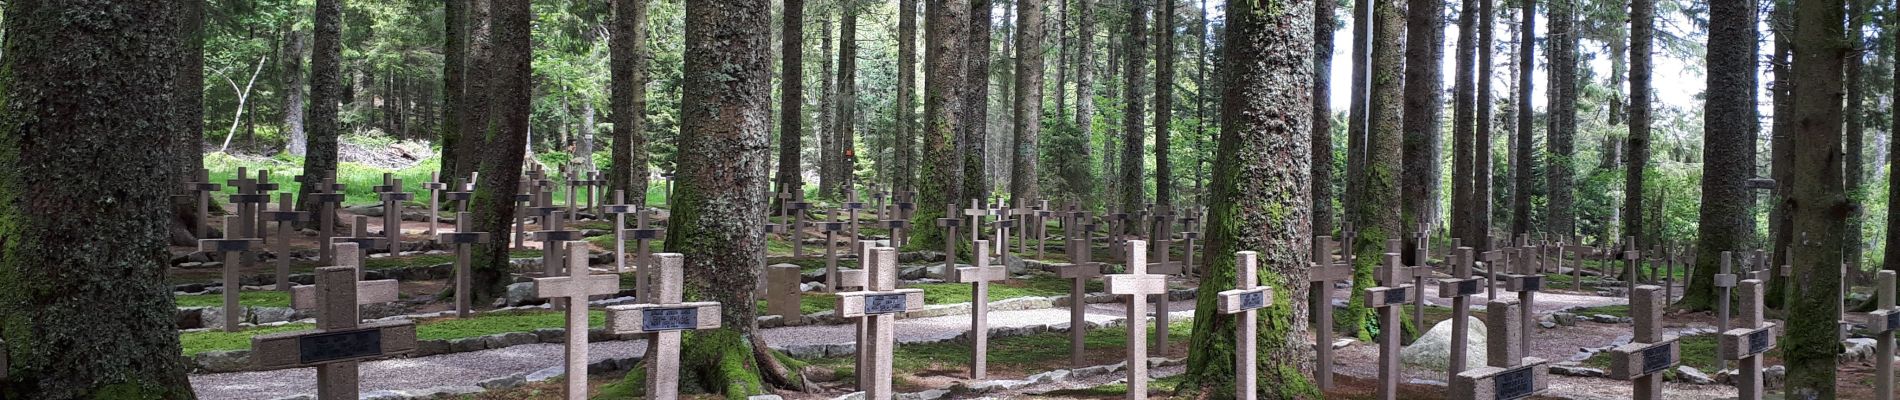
<point x="328" y="197"/>
<point x="521" y="198"/>
<point x="332" y="346"/>
<point x="457" y="196"/>
<point x="1253" y="300"/>
<point x="1893" y="320"/>
<point x="384" y="188"/>
<point x="398" y="196"/>
<point x="1516" y="383"/>
<point x="558" y="236"/>
<point x="284" y="216"/>
<point x="1758" y="341"/>
<point x="464" y="237"/>
<point x="1533" y="283"/>
<point x="832" y="226"/>
<point x="1395" y="296"/>
<point x="1467" y="287"/>
<point x="250" y="198"/>
<point x="233" y="245"/>
<point x="265" y="187"/>
<point x="669" y="319"/>
<point x="885" y="303"/>
<point x="1656" y="359"/>
<point x="645" y="234"/>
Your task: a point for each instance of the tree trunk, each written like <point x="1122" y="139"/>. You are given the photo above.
<point x="1424" y="108"/>
<point x="1523" y="162"/>
<point x="1133" y="141"/>
<point x="1111" y="147"/>
<point x="1378" y="216"/>
<point x="1854" y="145"/>
<point x="1260" y="179"/>
<point x="1358" y="123"/>
<point x="906" y="173"/>
<point x="1028" y="124"/>
<point x="1781" y="147"/>
<point x="326" y="52"/>
<point x="189" y="154"/>
<point x="1818" y="203"/>
<point x="1891" y="259"/>
<point x="1642" y="33"/>
<point x="1464" y="123"/>
<point x="975" y="135"/>
<point x="1164" y="102"/>
<point x="502" y="121"/>
<point x="297" y="144"/>
<point x="1322" y="134"/>
<point x="628" y="52"/>
<point x="827" y="114"/>
<point x="847" y="100"/>
<point x="1563" y="117"/>
<point x="1062" y="59"/>
<point x="1728" y="113"/>
<point x="1085" y="93"/>
<point x="945" y="35"/>
<point x="96" y="322"/>
<point x="1478" y="226"/>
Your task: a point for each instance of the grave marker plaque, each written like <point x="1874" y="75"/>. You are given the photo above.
<point x="878" y="327"/>
<point x="460" y="241"/>
<point x="1137" y="285"/>
<point x="1325" y="271"/>
<point x="574" y="289"/>
<point x="1509" y="375"/>
<point x="338" y="343"/>
<point x="234" y="251"/>
<point x="1650" y="352"/>
<point x="1079" y="271"/>
<point x="1246" y="297"/>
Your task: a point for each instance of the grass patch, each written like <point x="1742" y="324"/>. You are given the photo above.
<point x="1698" y="351"/>
<point x="433" y="329"/>
<point x="271" y="298"/>
<point x="1038" y="285"/>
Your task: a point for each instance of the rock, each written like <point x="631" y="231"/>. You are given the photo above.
<point x="765" y="397"/>
<point x="1577" y="371"/>
<point x="522" y="294"/>
<point x="506" y="382"/>
<point x="1013" y="264"/>
<point x="426" y="348"/>
<point x="503" y="340"/>
<point x="804" y="351"/>
<point x="1773" y="376"/>
<point x="1547" y="324"/>
<point x="224" y="361"/>
<point x="912" y="272"/>
<point x="464" y="345"/>
<point x="1049" y="377"/>
<point x="932" y="394"/>
<point x="809" y="287"/>
<point x="1342" y="343"/>
<point x="265" y="315"/>
<point x="547" y="373"/>
<point x="1433" y="350"/>
<point x="191" y="318"/>
<point x="297" y="397"/>
<point x="1564" y="318"/>
<point x="771" y="321"/>
<point x="851" y="396"/>
<point x="1693" y="376"/>
<point x="816" y="275"/>
<point x="1858" y="350"/>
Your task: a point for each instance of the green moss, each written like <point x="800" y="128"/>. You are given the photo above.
<point x="1698" y="351"/>
<point x="249" y="299"/>
<point x="721" y="361"/>
<point x="200" y="342"/>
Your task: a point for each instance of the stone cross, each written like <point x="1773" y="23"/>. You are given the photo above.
<point x="554" y="238"/>
<point x="1755" y="336"/>
<point x="304" y="297"/>
<point x="1396" y="293"/>
<point x="1883" y="323"/>
<point x="326" y="200"/>
<point x="1631" y="258"/>
<point x="976" y="213"/>
<point x="286" y="217"/>
<point x="1162" y="241"/>
<point x="1576" y="272"/>
<point x="574" y="289"/>
<point x="1137" y="284"/>
<point x="979" y="278"/>
<point x="339" y="342"/>
<point x="1510" y="374"/>
<point x="1724" y="282"/>
<point x="1078" y="271"/>
<point x="435" y="186"/>
<point x="832" y="227"/>
<point x="1460" y="289"/>
<point x="262" y="188"/>
<point x="798" y="205"/>
<point x="462" y="193"/>
<point x="1422" y="254"/>
<point x="524" y="198"/>
<point x="664" y="318"/>
<point x="1526" y="281"/>
<point x="1246" y="297"/>
<point x="234" y="252"/>
<point x="461" y="240"/>
<point x="392" y="196"/>
<point x="949" y="223"/>
<point x="1494" y="260"/>
<point x="1188" y="235"/>
<point x="1043" y="212"/>
<point x="574" y="181"/>
<point x="877" y="307"/>
<point x="643" y="237"/>
<point x="364" y="243"/>
<point x="905" y="202"/>
<point x="897" y="224"/>
<point x="1025" y="216"/>
<point x="244" y="199"/>
<point x="1650" y="353"/>
<point x="852" y="206"/>
<point x="202" y="188"/>
<point x="1325" y="271"/>
<point x="1669" y="272"/>
<point x="620" y="209"/>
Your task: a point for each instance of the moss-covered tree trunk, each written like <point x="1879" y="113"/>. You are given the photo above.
<point x="85" y="309"/>
<point x="1728" y="113"/>
<point x="1424" y="112"/>
<point x="295" y="143"/>
<point x="1464" y="122"/>
<point x="1378" y="215"/>
<point x="326" y="53"/>
<point x="1322" y="133"/>
<point x="1561" y="175"/>
<point x="847" y="133"/>
<point x="1523" y="161"/>
<point x="1781" y="147"/>
<point x="1642" y="33"/>
<point x="1085" y="99"/>
<point x="1135" y="44"/>
<point x="628" y="64"/>
<point x="905" y="176"/>
<point x="1818" y="203"/>
<point x="974" y="136"/>
<point x="719" y="207"/>
<point x="501" y="62"/>
<point x="1260" y="199"/>
<point x="454" y="75"/>
<point x="188" y="112"/>
<point x="1479" y="226"/>
<point x="1028" y="124"/>
<point x="1358" y="120"/>
<point x="1891" y="259"/>
<point x="1164" y="102"/>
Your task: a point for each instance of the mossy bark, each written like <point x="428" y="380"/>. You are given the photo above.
<point x="499" y="115"/>
<point x="1560" y="218"/>
<point x="1424" y="112"/>
<point x="326" y="52"/>
<point x="1726" y="134"/>
<point x="84" y="220"/>
<point x="940" y="175"/>
<point x="973" y="137"/>
<point x="1135" y="60"/>
<point x="1819" y="203"/>
<point x="628" y="65"/>
<point x="1260" y="180"/>
<point x="1378" y="215"/>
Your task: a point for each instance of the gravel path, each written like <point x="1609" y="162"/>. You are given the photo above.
<point x="468" y="369"/>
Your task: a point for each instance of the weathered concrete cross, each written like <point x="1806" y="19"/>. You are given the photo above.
<point x="1325" y="271"/>
<point x="1526" y="281"/>
<point x="1137" y="284"/>
<point x="436" y="187"/>
<point x="979" y="278"/>
<point x="1459" y="289"/>
<point x="798" y="205"/>
<point x="620" y="209"/>
<point x="1387" y="299"/>
<point x="461" y="240"/>
<point x="554" y="240"/>
<point x="1078" y="271"/>
<point x="1246" y="297"/>
<point x="1188" y="236"/>
<point x="364" y="244"/>
<point x="832" y="227"/>
<point x="1883" y="323"/>
<point x="393" y="196"/>
<point x="304" y="297"/>
<point x="1576" y="272"/>
<point x="1724" y="282"/>
<point x="1043" y="212"/>
<point x="643" y="236"/>
<point x="852" y="206"/>
<point x="1631" y="258"/>
<point x="234" y="252"/>
<point x="286" y="217"/>
<point x="339" y="342"/>
<point x="245" y="199"/>
<point x="892" y="218"/>
<point x="876" y="307"/>
<point x="574" y="289"/>
<point x="326" y="199"/>
<point x="1162" y="240"/>
<point x="525" y="197"/>
<point x="262" y="188"/>
<point x="1650" y="353"/>
<point x="202" y="188"/>
<point x="1756" y="336"/>
<point x="950" y="222"/>
<point x="664" y="318"/>
<point x="1510" y="374"/>
<point x="1494" y="261"/>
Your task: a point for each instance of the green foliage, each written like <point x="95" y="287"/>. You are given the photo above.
<point x="248" y="299"/>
